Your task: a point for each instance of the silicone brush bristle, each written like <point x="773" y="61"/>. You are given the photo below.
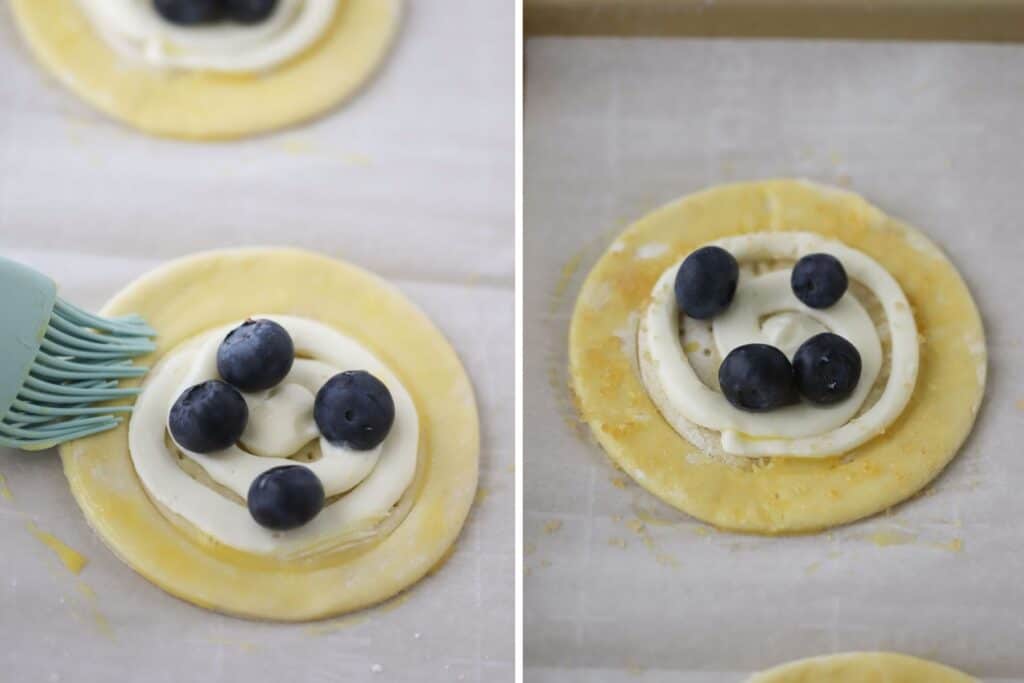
<point x="81" y="359"/>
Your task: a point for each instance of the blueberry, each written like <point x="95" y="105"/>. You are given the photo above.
<point x="827" y="368"/>
<point x="189" y="12"/>
<point x="285" y="497"/>
<point x="706" y="282"/>
<point x="249" y="11"/>
<point x="256" y="355"/>
<point x="354" y="409"/>
<point x="757" y="377"/>
<point x="818" y="280"/>
<point x="208" y="417"/>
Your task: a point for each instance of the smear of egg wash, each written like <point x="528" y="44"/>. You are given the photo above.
<point x="71" y="559"/>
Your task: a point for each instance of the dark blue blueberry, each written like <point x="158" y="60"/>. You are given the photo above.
<point x="706" y="282"/>
<point x="757" y="377"/>
<point x="249" y="11"/>
<point x="189" y="12"/>
<point x="208" y="417"/>
<point x="827" y="368"/>
<point x="818" y="280"/>
<point x="256" y="355"/>
<point x="354" y="409"/>
<point x="285" y="497"/>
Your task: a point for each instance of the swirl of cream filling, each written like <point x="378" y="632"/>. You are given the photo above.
<point x="765" y="310"/>
<point x="135" y="29"/>
<point x="369" y="483"/>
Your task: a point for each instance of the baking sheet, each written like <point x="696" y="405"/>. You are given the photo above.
<point x="413" y="180"/>
<point x="982" y="20"/>
<point x="620" y="587"/>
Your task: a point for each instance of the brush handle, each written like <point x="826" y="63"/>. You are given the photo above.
<point x="26" y="303"/>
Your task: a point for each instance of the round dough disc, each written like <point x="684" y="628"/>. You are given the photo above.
<point x="862" y="667"/>
<point x="186" y="297"/>
<point x="208" y="105"/>
<point x="779" y="495"/>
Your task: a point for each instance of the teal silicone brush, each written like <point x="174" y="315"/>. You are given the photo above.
<point x="57" y="362"/>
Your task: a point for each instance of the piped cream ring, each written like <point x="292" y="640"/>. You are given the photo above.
<point x="373" y="481"/>
<point x="136" y="30"/>
<point x="802" y="430"/>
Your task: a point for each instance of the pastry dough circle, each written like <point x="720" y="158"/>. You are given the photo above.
<point x="862" y="667"/>
<point x="188" y="296"/>
<point x="207" y="105"/>
<point x="778" y="495"/>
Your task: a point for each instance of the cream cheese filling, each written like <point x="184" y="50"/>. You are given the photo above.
<point x="369" y="483"/>
<point x="765" y="310"/>
<point x="135" y="30"/>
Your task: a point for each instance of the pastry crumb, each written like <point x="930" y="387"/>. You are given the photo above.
<point x="666" y="560"/>
<point x="955" y="545"/>
<point x="634" y="669"/>
<point x="884" y="539"/>
<point x="481" y="495"/>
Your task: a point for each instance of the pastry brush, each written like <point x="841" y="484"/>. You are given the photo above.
<point x="58" y="363"/>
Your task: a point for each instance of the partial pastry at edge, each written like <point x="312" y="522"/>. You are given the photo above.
<point x="210" y="69"/>
<point x="777" y="357"/>
<point x="862" y="667"/>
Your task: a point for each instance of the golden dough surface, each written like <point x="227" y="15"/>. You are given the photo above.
<point x="862" y="667"/>
<point x="776" y="495"/>
<point x="207" y="105"/>
<point x="185" y="297"/>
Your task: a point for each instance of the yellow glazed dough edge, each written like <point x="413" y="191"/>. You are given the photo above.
<point x="780" y="495"/>
<point x="185" y="297"/>
<point x="204" y="105"/>
<point x="862" y="667"/>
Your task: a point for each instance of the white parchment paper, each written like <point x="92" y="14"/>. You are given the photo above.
<point x="412" y="179"/>
<point x="620" y="587"/>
